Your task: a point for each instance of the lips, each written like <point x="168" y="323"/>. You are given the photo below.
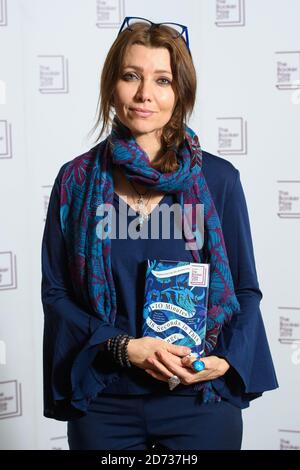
<point x="142" y="112"/>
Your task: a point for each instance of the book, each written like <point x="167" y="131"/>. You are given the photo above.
<point x="175" y="303"/>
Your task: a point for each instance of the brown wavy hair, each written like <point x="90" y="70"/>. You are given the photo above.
<point x="184" y="83"/>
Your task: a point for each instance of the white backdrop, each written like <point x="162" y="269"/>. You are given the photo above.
<point x="247" y="56"/>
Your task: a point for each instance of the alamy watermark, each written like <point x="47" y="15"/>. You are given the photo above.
<point x="161" y="222"/>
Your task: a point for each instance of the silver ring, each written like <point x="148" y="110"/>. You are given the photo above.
<point x="173" y="382"/>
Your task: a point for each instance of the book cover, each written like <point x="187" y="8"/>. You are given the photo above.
<point x="175" y="303"/>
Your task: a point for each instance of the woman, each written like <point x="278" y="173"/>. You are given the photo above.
<point x="100" y="374"/>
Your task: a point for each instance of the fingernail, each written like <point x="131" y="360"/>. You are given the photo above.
<point x="187" y="350"/>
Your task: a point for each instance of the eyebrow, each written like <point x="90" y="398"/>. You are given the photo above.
<point x="141" y="69"/>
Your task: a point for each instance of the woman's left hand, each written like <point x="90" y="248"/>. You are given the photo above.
<point x="163" y="364"/>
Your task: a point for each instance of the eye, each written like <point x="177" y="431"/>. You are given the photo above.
<point x="166" y="81"/>
<point x="128" y="76"/>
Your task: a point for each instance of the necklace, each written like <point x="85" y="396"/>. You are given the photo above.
<point x="141" y="207"/>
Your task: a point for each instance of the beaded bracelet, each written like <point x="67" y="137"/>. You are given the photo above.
<point x="118" y="348"/>
<point x="118" y="355"/>
<point x="125" y="354"/>
<point x="115" y="346"/>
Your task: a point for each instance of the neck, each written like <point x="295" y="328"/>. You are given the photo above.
<point x="150" y="144"/>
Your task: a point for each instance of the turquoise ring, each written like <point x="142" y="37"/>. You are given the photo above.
<point x="198" y="366"/>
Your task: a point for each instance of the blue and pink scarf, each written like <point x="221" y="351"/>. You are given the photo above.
<point x="87" y="182"/>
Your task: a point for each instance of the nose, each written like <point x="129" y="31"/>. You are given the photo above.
<point x="144" y="92"/>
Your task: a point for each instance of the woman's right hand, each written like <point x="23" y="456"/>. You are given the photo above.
<point x="141" y="351"/>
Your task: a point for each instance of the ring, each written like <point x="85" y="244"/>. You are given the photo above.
<point x="198" y="366"/>
<point x="173" y="382"/>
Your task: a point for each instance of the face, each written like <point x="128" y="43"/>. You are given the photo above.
<point x="144" y="98"/>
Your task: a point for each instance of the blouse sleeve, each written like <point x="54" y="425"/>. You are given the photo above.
<point x="243" y="341"/>
<point x="73" y="373"/>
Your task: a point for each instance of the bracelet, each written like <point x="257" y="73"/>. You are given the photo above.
<point x="118" y="349"/>
<point x="115" y="346"/>
<point x="127" y="362"/>
<point x="118" y="356"/>
<point x="123" y="352"/>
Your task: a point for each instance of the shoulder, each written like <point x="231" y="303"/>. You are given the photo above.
<point x="80" y="166"/>
<point x="220" y="174"/>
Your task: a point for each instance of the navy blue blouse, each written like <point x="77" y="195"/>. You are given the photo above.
<point x="74" y="368"/>
<point x="129" y="270"/>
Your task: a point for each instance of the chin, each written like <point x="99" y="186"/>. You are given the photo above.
<point x="141" y="128"/>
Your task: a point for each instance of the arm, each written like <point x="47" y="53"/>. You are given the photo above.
<point x="243" y="343"/>
<point x="72" y="335"/>
<point x="76" y="366"/>
<point x="240" y="366"/>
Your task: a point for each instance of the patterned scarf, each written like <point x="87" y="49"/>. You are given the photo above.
<point x="87" y="182"/>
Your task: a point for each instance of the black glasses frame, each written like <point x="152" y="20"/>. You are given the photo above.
<point x="184" y="33"/>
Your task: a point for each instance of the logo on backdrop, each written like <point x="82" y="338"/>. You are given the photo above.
<point x="8" y="270"/>
<point x="288" y="70"/>
<point x="54" y="75"/>
<point x="2" y="353"/>
<point x="289" y="199"/>
<point x="289" y="325"/>
<point x="46" y="191"/>
<point x="230" y="13"/>
<point x="109" y="13"/>
<point x="295" y="96"/>
<point x="5" y="139"/>
<point x="10" y="399"/>
<point x="2" y="92"/>
<point x="232" y="136"/>
<point x="3" y="13"/>
<point x="289" y="439"/>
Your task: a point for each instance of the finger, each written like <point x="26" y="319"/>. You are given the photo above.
<point x="156" y="375"/>
<point x="166" y="359"/>
<point x="195" y="363"/>
<point x="181" y="372"/>
<point x="159" y="367"/>
<point x="198" y="366"/>
<point x="178" y="350"/>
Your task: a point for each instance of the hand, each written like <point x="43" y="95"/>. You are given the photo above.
<point x="164" y="366"/>
<point x="142" y="350"/>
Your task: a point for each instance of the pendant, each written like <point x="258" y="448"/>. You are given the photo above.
<point x="143" y="215"/>
<point x="142" y="218"/>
